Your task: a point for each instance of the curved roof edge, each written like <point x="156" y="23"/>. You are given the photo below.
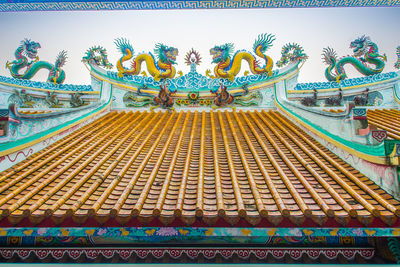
<point x="347" y="82"/>
<point x="35" y="85"/>
<point x="50" y="5"/>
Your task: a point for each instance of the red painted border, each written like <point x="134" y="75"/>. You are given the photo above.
<point x="177" y="222"/>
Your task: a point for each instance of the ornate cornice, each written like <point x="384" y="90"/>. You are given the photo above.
<point x="46" y="5"/>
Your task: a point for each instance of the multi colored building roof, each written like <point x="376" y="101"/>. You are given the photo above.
<point x="192" y="168"/>
<point x="386" y="119"/>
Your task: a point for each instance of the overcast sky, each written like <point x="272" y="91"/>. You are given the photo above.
<point x="314" y="29"/>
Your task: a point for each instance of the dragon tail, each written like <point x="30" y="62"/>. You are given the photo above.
<point x="123" y="45"/>
<point x="265" y="41"/>
<point x="61" y="59"/>
<point x="260" y="46"/>
<point x="329" y="57"/>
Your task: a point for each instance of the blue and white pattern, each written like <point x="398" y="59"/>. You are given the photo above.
<point x="4" y="113"/>
<point x="397" y="149"/>
<point x="193" y="81"/>
<point x="359" y="112"/>
<point x="45" y="85"/>
<point x="50" y="5"/>
<point x="347" y="83"/>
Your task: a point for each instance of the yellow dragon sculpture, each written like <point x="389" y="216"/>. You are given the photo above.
<point x="229" y="68"/>
<point x="163" y="69"/>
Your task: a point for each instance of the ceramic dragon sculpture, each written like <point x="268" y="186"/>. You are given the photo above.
<point x="97" y="55"/>
<point x="228" y="67"/>
<point x="162" y="69"/>
<point x="365" y="55"/>
<point x="397" y="64"/>
<point x="27" y="58"/>
<point x="291" y="53"/>
<point x="222" y="96"/>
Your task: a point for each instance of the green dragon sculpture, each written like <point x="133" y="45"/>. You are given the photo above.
<point x="26" y="57"/>
<point x="97" y="55"/>
<point x="21" y="98"/>
<point x="397" y="64"/>
<point x="161" y="69"/>
<point x="228" y="67"/>
<point x="365" y="54"/>
<point x="291" y="53"/>
<point x="132" y="100"/>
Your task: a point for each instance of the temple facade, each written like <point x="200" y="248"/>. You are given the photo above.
<point x="150" y="164"/>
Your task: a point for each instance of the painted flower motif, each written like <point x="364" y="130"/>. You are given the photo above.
<point x="208" y="102"/>
<point x="193" y="96"/>
<point x="101" y="231"/>
<point x="295" y="232"/>
<point x="186" y="102"/>
<point x="42" y="231"/>
<point x="166" y="231"/>
<point x="179" y="102"/>
<point x="358" y="232"/>
<point x="201" y="102"/>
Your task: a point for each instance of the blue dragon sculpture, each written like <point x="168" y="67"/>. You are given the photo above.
<point x="26" y="57"/>
<point x="365" y="54"/>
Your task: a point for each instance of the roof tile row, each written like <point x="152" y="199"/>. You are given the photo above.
<point x="192" y="166"/>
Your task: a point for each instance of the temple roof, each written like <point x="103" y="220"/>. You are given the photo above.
<point x="386" y="119"/>
<point x="192" y="168"/>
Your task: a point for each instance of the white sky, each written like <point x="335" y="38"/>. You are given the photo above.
<point x="314" y="29"/>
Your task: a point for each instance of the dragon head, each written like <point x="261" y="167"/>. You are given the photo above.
<point x="221" y="53"/>
<point x="360" y="45"/>
<point x="166" y="54"/>
<point x="30" y="48"/>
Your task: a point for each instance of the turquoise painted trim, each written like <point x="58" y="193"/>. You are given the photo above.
<point x="369" y="150"/>
<point x="196" y="81"/>
<point x="360" y="81"/>
<point x="187" y="232"/>
<point x="21" y="142"/>
<point x="45" y="85"/>
<point x="396" y="93"/>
